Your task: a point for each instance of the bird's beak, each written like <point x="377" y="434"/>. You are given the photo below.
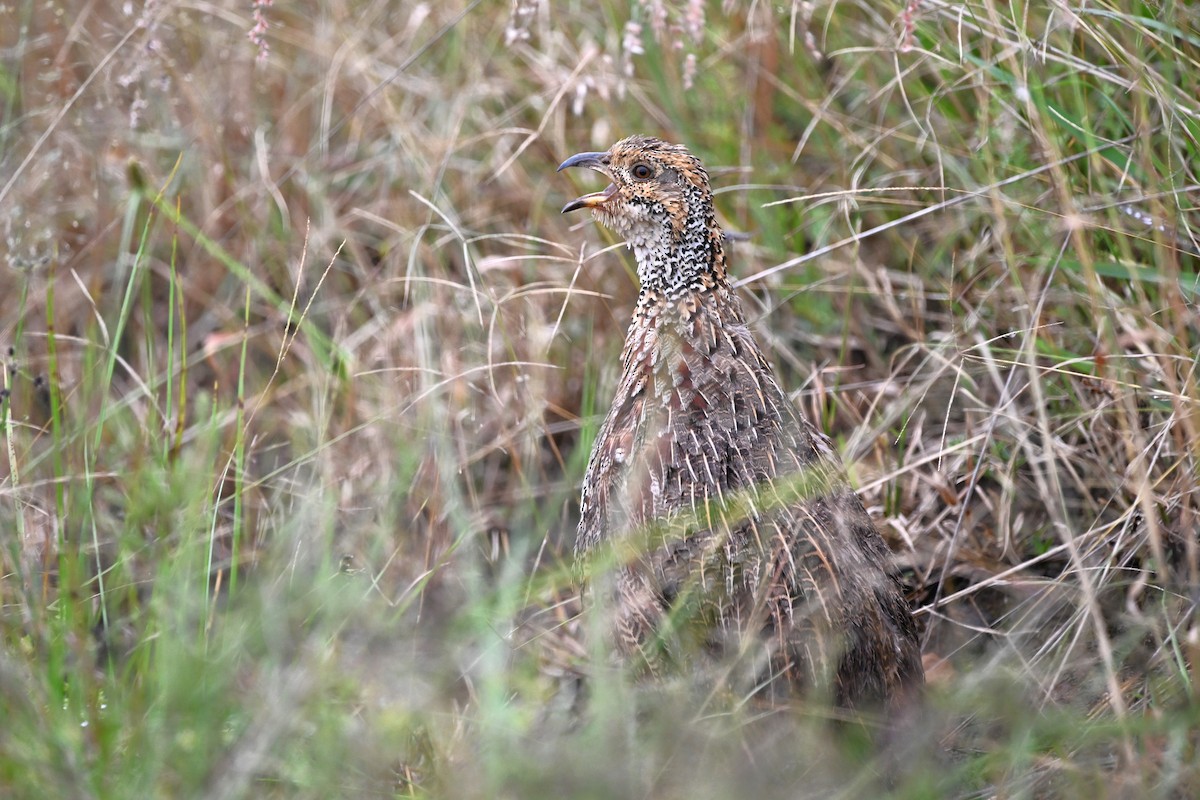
<point x="591" y="200"/>
<point x="593" y="161"/>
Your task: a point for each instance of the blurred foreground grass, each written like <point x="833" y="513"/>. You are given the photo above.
<point x="304" y="367"/>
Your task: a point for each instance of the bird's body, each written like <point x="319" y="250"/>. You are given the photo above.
<point x="767" y="563"/>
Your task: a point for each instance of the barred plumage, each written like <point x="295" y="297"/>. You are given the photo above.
<point x="767" y="562"/>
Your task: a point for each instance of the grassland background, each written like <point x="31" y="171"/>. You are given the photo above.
<point x="304" y="366"/>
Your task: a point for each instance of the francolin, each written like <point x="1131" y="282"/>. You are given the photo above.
<point x="747" y="549"/>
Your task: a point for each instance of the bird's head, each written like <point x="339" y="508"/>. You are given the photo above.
<point x="660" y="202"/>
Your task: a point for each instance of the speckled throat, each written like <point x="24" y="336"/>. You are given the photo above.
<point x="685" y="257"/>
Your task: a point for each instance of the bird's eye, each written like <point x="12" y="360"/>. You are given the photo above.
<point x="642" y="171"/>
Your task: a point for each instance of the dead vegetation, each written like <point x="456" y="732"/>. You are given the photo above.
<point x="305" y="365"/>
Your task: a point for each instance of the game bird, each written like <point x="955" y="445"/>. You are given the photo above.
<point x="733" y="541"/>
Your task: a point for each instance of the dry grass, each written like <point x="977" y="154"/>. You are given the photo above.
<point x="305" y="366"/>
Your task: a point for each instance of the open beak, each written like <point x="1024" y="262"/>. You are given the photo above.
<point x="593" y="161"/>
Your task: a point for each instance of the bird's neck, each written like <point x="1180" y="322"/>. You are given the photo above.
<point x="682" y="280"/>
<point x="673" y="263"/>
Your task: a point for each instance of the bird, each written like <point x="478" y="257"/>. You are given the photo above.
<point x="735" y="545"/>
